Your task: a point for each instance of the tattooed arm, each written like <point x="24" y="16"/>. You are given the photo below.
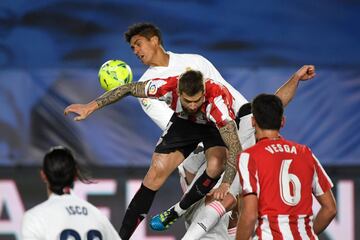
<point x="135" y="89"/>
<point x="231" y="139"/>
<point x="84" y="110"/>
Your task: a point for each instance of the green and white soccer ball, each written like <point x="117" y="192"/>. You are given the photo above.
<point x="114" y="73"/>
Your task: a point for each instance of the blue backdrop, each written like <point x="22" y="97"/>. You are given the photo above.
<point x="50" y="52"/>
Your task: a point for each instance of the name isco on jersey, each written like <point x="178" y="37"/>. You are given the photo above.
<point x="275" y="148"/>
<point x="77" y="210"/>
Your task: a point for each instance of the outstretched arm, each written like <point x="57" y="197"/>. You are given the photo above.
<point x="288" y="90"/>
<point x="134" y="89"/>
<point x="84" y="110"/>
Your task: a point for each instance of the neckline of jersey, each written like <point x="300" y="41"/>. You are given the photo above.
<point x="270" y="139"/>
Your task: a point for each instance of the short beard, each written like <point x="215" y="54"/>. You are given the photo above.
<point x="191" y="113"/>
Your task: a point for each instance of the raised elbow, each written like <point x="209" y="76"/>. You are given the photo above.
<point x="332" y="212"/>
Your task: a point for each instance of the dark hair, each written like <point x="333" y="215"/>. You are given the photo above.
<point x="61" y="169"/>
<point x="244" y="110"/>
<point x="268" y="111"/>
<point x="191" y="82"/>
<point x="147" y="30"/>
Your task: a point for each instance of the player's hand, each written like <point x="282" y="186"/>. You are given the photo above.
<point x="220" y="192"/>
<point x="306" y="72"/>
<point x="81" y="110"/>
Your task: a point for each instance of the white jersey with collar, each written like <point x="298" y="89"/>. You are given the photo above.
<point x="158" y="111"/>
<point x="66" y="215"/>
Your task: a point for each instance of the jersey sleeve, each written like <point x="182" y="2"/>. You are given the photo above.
<point x="157" y="110"/>
<point x="321" y="182"/>
<point x="161" y="89"/>
<point x="248" y="174"/>
<point x="219" y="112"/>
<point x="30" y="228"/>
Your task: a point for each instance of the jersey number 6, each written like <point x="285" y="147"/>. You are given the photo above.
<point x="286" y="179"/>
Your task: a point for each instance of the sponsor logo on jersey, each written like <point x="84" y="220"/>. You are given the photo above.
<point x="154" y="85"/>
<point x="152" y="89"/>
<point x="202" y="226"/>
<point x="145" y="102"/>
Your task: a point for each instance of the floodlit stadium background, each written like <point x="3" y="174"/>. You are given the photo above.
<point x="50" y="52"/>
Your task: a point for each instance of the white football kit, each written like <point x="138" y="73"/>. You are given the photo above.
<point x="193" y="215"/>
<point x="64" y="217"/>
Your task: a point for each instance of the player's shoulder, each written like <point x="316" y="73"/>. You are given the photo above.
<point x="249" y="153"/>
<point x="214" y="87"/>
<point x="38" y="211"/>
<point x="148" y="74"/>
<point x="186" y="56"/>
<point x="301" y="148"/>
<point x="196" y="60"/>
<point x="39" y="207"/>
<point x="211" y="84"/>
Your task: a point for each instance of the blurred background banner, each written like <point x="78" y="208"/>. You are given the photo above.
<point x="21" y="189"/>
<point x="50" y="52"/>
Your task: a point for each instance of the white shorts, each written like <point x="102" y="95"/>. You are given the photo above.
<point x="247" y="139"/>
<point x="246" y="132"/>
<point x="235" y="187"/>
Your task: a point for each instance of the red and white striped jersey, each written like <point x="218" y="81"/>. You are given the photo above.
<point x="283" y="175"/>
<point x="218" y="107"/>
<point x="158" y="111"/>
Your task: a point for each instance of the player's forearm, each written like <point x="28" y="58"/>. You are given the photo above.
<point x="323" y="219"/>
<point x="135" y="89"/>
<point x="245" y="227"/>
<point x="288" y="90"/>
<point x="231" y="139"/>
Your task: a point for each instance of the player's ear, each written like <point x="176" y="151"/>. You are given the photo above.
<point x="282" y="122"/>
<point x="155" y="40"/>
<point x="253" y="122"/>
<point x="43" y="176"/>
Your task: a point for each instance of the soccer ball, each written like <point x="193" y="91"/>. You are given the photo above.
<point x="114" y="73"/>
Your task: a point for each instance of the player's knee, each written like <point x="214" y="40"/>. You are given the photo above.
<point x="157" y="173"/>
<point x="214" y="168"/>
<point x="229" y="202"/>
